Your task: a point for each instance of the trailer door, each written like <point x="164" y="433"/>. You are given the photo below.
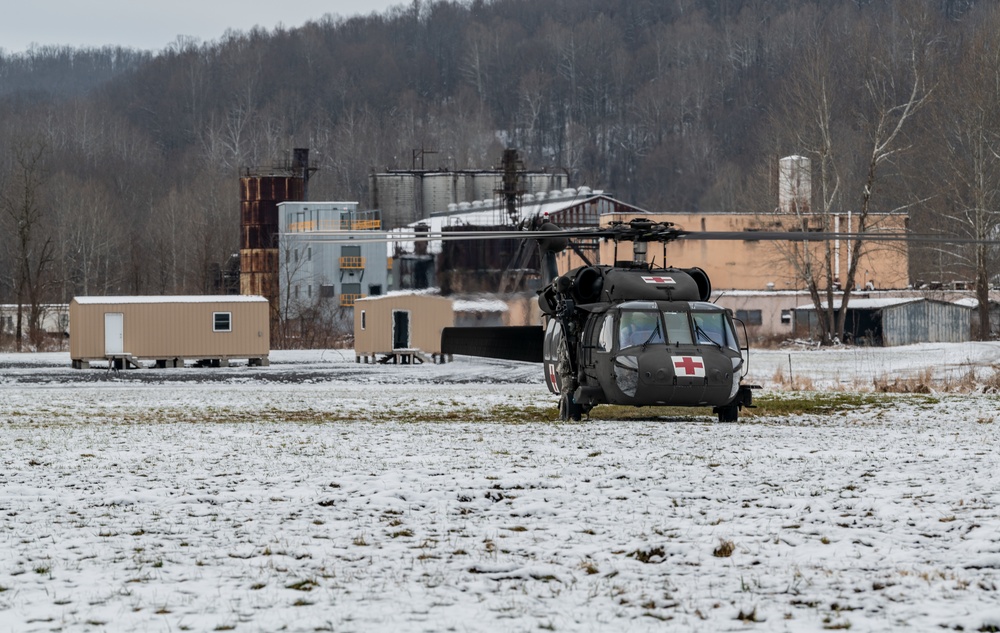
<point x="114" y="333"/>
<point x="400" y="329"/>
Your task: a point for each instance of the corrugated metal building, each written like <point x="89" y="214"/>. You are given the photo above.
<point x="169" y="329"/>
<point x="891" y="322"/>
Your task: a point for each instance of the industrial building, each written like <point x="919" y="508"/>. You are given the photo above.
<point x="509" y="265"/>
<point x="750" y="264"/>
<point x="895" y="321"/>
<point x="317" y="262"/>
<point x="407" y="196"/>
<point x="169" y="330"/>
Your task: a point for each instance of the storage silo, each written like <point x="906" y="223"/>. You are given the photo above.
<point x="399" y="196"/>
<point x="463" y="184"/>
<point x="543" y="181"/>
<point x="438" y="191"/>
<point x="483" y="184"/>
<point x="794" y="184"/>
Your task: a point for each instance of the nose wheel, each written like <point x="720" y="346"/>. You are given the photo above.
<point x="568" y="409"/>
<point x="729" y="413"/>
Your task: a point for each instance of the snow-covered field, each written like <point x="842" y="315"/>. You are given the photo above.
<point x="321" y="495"/>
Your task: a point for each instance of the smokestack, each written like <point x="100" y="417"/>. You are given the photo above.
<point x="300" y="168"/>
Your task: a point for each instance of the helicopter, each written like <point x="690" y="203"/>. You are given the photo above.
<point x="629" y="334"/>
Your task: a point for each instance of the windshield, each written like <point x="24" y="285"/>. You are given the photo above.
<point x="713" y="328"/>
<point x="678" y="328"/>
<point x="639" y="327"/>
<point x="650" y="326"/>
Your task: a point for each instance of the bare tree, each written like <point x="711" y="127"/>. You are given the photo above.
<point x="851" y="136"/>
<point x="24" y="212"/>
<point x="91" y="237"/>
<point x="894" y="90"/>
<point x="968" y="123"/>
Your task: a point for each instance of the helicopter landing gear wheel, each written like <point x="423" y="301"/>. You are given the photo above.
<point x="729" y="413"/>
<point x="569" y="410"/>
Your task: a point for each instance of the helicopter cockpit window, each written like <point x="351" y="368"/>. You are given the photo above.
<point x="639" y="327"/>
<point x="605" y="339"/>
<point x="678" y="328"/>
<point x="712" y="328"/>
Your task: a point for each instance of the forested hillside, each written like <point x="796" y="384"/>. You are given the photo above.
<point x="119" y="168"/>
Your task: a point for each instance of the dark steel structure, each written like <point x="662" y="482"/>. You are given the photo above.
<point x="261" y="190"/>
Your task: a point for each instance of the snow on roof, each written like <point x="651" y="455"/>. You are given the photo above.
<point x="171" y="299"/>
<point x="479" y="305"/>
<point x="887" y="302"/>
<point x="493" y="213"/>
<point x="458" y="305"/>
<point x="721" y="292"/>
<point x="867" y="304"/>
<point x="423" y="292"/>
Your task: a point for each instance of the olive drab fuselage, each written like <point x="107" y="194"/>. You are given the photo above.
<point x="640" y="336"/>
<point x="624" y="360"/>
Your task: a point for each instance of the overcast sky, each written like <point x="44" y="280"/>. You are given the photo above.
<point x="152" y="25"/>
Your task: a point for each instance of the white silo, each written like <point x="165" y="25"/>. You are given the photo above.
<point x="438" y="191"/>
<point x="794" y="184"/>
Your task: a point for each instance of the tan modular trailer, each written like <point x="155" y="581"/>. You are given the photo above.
<point x="402" y="328"/>
<point x="169" y="330"/>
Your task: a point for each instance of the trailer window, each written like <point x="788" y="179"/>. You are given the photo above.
<point x="222" y="321"/>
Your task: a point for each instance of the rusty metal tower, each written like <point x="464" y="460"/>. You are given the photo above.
<point x="261" y="190"/>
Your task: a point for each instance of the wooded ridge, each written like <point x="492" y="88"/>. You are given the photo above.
<point x="118" y="168"/>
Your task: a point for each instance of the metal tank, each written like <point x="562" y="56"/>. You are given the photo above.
<point x="483" y="184"/>
<point x="794" y="184"/>
<point x="398" y="196"/>
<point x="438" y="191"/>
<point x="536" y="182"/>
<point x="260" y="192"/>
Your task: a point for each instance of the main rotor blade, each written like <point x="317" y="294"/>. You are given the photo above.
<point x="522" y="343"/>
<point x="652" y="236"/>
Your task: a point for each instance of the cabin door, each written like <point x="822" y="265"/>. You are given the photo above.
<point x="114" y="333"/>
<point x="400" y="329"/>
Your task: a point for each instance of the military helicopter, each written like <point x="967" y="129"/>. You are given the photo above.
<point x="630" y="334"/>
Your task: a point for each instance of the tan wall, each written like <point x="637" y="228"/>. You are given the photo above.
<point x="523" y="310"/>
<point x="428" y="316"/>
<point x="160" y="330"/>
<point x="770" y="305"/>
<point x="747" y="265"/>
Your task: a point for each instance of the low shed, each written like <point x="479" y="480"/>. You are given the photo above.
<point x="169" y="329"/>
<point x="896" y="321"/>
<point x="401" y="328"/>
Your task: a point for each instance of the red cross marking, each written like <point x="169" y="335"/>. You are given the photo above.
<point x="689" y="365"/>
<point x="658" y="280"/>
